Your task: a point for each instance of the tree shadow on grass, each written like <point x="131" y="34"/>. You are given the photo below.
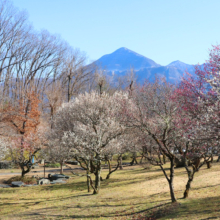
<point x="199" y="207"/>
<point x="46" y="212"/>
<point x="112" y="204"/>
<point x="76" y="186"/>
<point x="204" y="187"/>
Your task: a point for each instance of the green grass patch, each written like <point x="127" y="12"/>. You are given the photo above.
<point x="53" y="165"/>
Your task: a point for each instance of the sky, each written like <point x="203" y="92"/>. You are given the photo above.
<point x="162" y="30"/>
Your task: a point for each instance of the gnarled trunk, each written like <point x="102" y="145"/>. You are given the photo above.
<point x="111" y="171"/>
<point x="134" y="159"/>
<point x="188" y="186"/>
<point x="23" y="170"/>
<point x="97" y="182"/>
<point x="195" y="168"/>
<point x="97" y="178"/>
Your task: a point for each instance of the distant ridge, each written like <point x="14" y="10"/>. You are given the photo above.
<point x="123" y="59"/>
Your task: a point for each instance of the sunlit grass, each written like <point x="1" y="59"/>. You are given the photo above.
<point x="129" y="193"/>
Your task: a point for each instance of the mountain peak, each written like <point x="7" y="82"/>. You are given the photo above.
<point x="123" y="49"/>
<point x="181" y="66"/>
<point x="124" y="59"/>
<point x="176" y="62"/>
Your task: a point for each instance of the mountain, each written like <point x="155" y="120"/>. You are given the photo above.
<point x="123" y="59"/>
<point x="179" y="64"/>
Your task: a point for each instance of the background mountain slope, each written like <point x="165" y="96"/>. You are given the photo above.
<point x="123" y="59"/>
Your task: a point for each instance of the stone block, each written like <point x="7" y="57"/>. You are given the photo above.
<point x="57" y="176"/>
<point x="17" y="184"/>
<point x="4" y="186"/>
<point x="43" y="181"/>
<point x="58" y="181"/>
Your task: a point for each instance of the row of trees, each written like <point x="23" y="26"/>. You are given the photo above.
<point x="38" y="72"/>
<point x="51" y="101"/>
<point x="165" y="121"/>
<point x="158" y="119"/>
<point x="39" y="62"/>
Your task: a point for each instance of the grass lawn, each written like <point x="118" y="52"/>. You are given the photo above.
<point x="132" y="193"/>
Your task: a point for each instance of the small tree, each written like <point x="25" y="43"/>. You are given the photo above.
<point x="152" y="111"/>
<point x="57" y="150"/>
<point x="22" y="150"/>
<point x="198" y="99"/>
<point x="25" y="120"/>
<point x="88" y="125"/>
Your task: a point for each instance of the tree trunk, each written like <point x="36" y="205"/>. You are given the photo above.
<point x="171" y="180"/>
<point x="61" y="168"/>
<point x="209" y="165"/>
<point x="141" y="160"/>
<point x="97" y="182"/>
<point x="173" y="199"/>
<point x="97" y="178"/>
<point x="111" y="171"/>
<point x="109" y="166"/>
<point x="44" y="169"/>
<point x="188" y="186"/>
<point x="23" y="171"/>
<point x="68" y="92"/>
<point x="88" y="179"/>
<point x="120" y="163"/>
<point x="190" y="175"/>
<point x="134" y="160"/>
<point x="164" y="159"/>
<point x="88" y="183"/>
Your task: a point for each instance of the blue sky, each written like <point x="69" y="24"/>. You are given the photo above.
<point x="162" y="30"/>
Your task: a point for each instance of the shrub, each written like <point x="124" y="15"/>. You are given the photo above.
<point x="53" y="165"/>
<point x="25" y="179"/>
<point x="125" y="157"/>
<point x="7" y="165"/>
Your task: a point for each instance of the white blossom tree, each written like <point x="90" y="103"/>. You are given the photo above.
<point x="88" y="124"/>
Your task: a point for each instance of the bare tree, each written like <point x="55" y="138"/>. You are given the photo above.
<point x="75" y="73"/>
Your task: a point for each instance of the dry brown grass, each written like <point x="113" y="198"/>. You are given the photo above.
<point x="132" y="193"/>
<point x="25" y="179"/>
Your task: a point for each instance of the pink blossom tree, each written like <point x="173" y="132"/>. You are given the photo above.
<point x="152" y="111"/>
<point x="198" y="99"/>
